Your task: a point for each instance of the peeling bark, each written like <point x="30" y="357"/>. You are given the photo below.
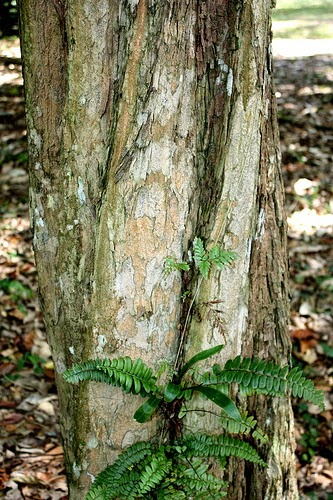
<point x="150" y="123"/>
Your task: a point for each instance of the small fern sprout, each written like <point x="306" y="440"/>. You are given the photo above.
<point x="204" y="259"/>
<point x="171" y="264"/>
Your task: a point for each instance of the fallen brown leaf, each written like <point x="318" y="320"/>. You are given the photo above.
<point x="328" y="415"/>
<point x="304" y="334"/>
<point x="305" y="345"/>
<point x="16" y="313"/>
<point x="58" y="450"/>
<point x="6" y="368"/>
<point x="8" y="404"/>
<point x="13" y="418"/>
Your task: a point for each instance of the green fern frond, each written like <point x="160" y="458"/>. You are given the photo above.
<point x="204" y="267"/>
<point x="127" y="487"/>
<point x="233" y="426"/>
<point x="265" y="377"/>
<point x="99" y="493"/>
<point x="122" y="372"/>
<point x="222" y="258"/>
<point x="172" y="264"/>
<point x="200" y="484"/>
<point x="204" y="445"/>
<point x="116" y="476"/>
<point x="170" y="493"/>
<point x="304" y="388"/>
<point x="154" y="472"/>
<point x="201" y="257"/>
<point x="199" y="252"/>
<point x="246" y="426"/>
<point x="259" y="435"/>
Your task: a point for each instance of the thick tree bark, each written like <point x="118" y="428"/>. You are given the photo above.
<point x="150" y="123"/>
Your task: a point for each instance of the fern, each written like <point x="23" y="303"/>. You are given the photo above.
<point x="114" y="477"/>
<point x="150" y="472"/>
<point x="154" y="472"/>
<point x="198" y="251"/>
<point x="222" y="257"/>
<point x="263" y="377"/>
<point x="205" y="445"/>
<point x="204" y="260"/>
<point x="259" y="435"/>
<point x="170" y="493"/>
<point x="122" y="372"/>
<point x="200" y="484"/>
<point x="98" y="493"/>
<point x="173" y="265"/>
<point x="245" y="426"/>
<point x="304" y="388"/>
<point x="179" y="469"/>
<point x="201" y="257"/>
<point x="127" y="487"/>
<point x="144" y="469"/>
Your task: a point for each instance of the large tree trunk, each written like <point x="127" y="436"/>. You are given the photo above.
<point x="149" y="123"/>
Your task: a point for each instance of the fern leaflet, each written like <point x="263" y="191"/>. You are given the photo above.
<point x="154" y="472"/>
<point x="200" y="484"/>
<point x="204" y="445"/>
<point x="122" y="372"/>
<point x="173" y="265"/>
<point x="199" y="253"/>
<point x="222" y="258"/>
<point x="263" y="377"/>
<point x="245" y="426"/>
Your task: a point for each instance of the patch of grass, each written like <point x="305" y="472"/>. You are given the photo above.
<point x="298" y="29"/>
<point x="303" y="9"/>
<point x="303" y="19"/>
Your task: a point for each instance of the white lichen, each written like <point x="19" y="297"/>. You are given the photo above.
<point x="82" y="101"/>
<point x="230" y="81"/>
<point x="76" y="470"/>
<point x="36" y="139"/>
<point x="92" y="443"/>
<point x="101" y="341"/>
<point x="261" y="225"/>
<point x="91" y="476"/>
<point x="128" y="439"/>
<point x="80" y="191"/>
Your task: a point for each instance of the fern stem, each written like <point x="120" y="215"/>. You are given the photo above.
<point x="182" y="337"/>
<point x="196" y="410"/>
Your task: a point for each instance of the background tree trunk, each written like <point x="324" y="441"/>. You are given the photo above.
<point x="150" y="123"/>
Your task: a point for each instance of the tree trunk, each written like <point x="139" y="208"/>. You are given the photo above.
<point x="150" y="123"/>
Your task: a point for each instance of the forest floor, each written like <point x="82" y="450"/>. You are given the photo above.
<point x="31" y="458"/>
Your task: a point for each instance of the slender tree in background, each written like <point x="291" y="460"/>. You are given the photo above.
<point x="149" y="123"/>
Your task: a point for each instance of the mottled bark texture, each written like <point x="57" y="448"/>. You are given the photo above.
<point x="149" y="123"/>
